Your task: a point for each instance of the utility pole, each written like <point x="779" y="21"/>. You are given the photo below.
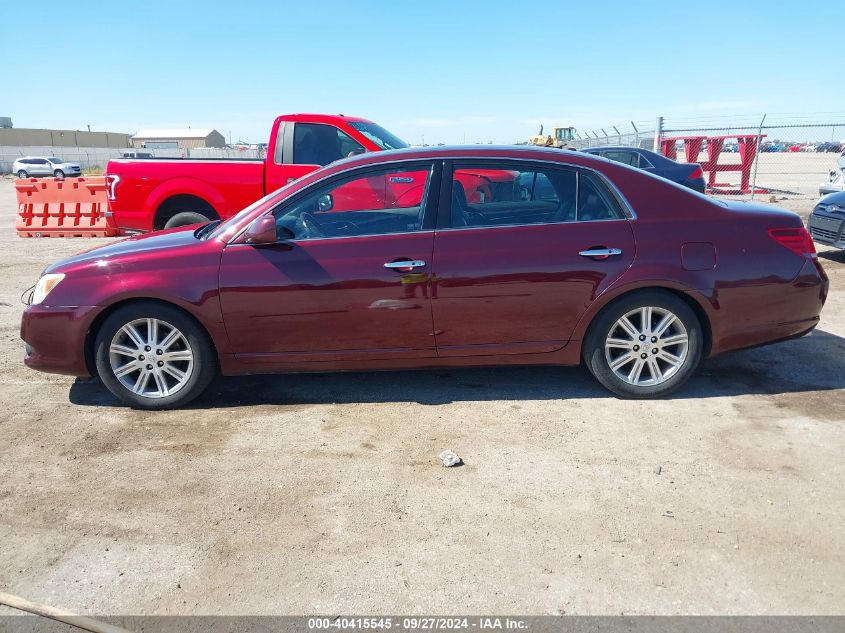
<point x="658" y="133"/>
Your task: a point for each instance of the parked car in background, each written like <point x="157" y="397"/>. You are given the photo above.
<point x="772" y="146"/>
<point x="134" y="153"/>
<point x="687" y="174"/>
<point x="836" y="179"/>
<point x="45" y="166"/>
<point x="827" y="221"/>
<point x="586" y="260"/>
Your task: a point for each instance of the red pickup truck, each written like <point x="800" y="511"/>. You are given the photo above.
<point x="152" y="194"/>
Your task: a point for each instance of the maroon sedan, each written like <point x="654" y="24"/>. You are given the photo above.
<point x="570" y="259"/>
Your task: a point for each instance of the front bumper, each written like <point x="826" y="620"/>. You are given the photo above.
<point x="55" y="338"/>
<point x="827" y="228"/>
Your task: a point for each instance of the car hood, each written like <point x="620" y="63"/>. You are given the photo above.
<point x="837" y="198"/>
<point x="117" y="252"/>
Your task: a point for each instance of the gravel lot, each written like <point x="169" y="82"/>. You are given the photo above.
<point x="323" y="493"/>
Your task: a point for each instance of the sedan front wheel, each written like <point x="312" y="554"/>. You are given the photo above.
<point x="154" y="356"/>
<point x="645" y="345"/>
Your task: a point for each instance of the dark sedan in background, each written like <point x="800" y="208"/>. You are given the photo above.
<point x="827" y="221"/>
<point x="687" y="174"/>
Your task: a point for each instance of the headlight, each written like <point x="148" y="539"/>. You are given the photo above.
<point x="44" y="286"/>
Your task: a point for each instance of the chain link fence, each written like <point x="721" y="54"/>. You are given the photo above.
<point x="747" y="156"/>
<point x="789" y="155"/>
<point x="631" y="134"/>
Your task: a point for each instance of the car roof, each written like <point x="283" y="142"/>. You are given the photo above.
<point x="650" y="154"/>
<point x="443" y="152"/>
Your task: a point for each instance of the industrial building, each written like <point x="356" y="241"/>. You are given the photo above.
<point x="18" y="136"/>
<point x="178" y="139"/>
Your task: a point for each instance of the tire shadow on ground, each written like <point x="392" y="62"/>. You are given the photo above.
<point x="812" y="363"/>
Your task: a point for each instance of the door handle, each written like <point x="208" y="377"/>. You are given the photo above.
<point x="406" y="264"/>
<point x="601" y="253"/>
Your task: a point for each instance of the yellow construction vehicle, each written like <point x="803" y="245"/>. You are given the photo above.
<point x="563" y="137"/>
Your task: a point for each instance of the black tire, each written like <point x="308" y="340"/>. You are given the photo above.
<point x="204" y="357"/>
<point x="596" y="359"/>
<point x="186" y="218"/>
<point x="59" y="174"/>
<point x="22" y="174"/>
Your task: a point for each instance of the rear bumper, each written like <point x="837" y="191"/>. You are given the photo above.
<point x="795" y="312"/>
<point x="55" y="338"/>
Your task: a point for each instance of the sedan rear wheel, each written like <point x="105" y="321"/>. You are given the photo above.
<point x="645" y="345"/>
<point x="154" y="356"/>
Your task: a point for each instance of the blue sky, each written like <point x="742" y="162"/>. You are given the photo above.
<point x="433" y="70"/>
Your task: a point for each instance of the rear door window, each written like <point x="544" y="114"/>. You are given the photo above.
<point x="513" y="195"/>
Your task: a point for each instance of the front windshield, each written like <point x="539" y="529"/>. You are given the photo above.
<point x="378" y="135"/>
<point x="56" y="161"/>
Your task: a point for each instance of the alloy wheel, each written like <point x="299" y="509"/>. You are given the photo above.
<point x="151" y="358"/>
<point x="646" y="346"/>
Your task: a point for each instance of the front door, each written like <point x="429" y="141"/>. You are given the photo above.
<point x="349" y="278"/>
<point x="42" y="167"/>
<point x="515" y="272"/>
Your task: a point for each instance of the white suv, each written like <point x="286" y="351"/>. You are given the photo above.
<point x="46" y="166"/>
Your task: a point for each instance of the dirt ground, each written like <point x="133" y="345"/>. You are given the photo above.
<point x="323" y="493"/>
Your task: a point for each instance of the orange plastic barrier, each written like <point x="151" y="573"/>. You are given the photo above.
<point x="73" y="207"/>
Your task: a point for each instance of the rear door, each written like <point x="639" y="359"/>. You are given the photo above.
<point x="514" y="274"/>
<point x="305" y="147"/>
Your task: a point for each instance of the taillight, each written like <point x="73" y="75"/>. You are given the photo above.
<point x="696" y="173"/>
<point x="798" y="240"/>
<point x="111" y="184"/>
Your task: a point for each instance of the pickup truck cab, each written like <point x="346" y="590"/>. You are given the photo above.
<point x="148" y="195"/>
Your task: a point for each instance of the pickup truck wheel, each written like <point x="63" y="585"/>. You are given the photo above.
<point x="154" y="356"/>
<point x="186" y="218"/>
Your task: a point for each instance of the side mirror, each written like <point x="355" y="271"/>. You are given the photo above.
<point x="261" y="231"/>
<point x="325" y="203"/>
